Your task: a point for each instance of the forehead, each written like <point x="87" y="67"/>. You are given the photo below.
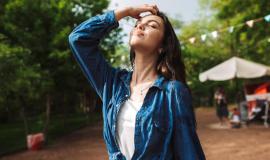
<point x="151" y="17"/>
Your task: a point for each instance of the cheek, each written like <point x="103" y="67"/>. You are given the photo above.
<point x="156" y="37"/>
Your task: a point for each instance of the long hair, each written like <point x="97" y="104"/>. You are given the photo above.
<point x="170" y="63"/>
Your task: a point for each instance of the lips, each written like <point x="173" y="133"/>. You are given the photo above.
<point x="138" y="33"/>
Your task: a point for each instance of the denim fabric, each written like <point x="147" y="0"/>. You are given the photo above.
<point x="165" y="125"/>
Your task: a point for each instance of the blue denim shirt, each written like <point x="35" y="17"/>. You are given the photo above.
<point x="165" y="125"/>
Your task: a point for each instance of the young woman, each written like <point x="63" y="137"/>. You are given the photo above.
<point x="147" y="112"/>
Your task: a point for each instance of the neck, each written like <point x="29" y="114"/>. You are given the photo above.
<point x="144" y="68"/>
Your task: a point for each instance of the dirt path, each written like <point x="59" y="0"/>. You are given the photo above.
<point x="85" y="144"/>
<point x="251" y="143"/>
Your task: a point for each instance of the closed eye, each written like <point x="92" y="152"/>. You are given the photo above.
<point x="153" y="26"/>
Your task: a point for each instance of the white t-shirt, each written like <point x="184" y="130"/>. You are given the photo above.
<point x="127" y="118"/>
<point x="236" y="118"/>
<point x="126" y="127"/>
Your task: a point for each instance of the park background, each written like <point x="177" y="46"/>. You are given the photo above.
<point x="42" y="88"/>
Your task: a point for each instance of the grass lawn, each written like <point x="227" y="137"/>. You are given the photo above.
<point x="12" y="136"/>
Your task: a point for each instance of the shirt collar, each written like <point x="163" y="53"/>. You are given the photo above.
<point x="126" y="78"/>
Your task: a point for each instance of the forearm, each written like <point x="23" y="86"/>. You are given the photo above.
<point x="121" y="13"/>
<point x="95" y="28"/>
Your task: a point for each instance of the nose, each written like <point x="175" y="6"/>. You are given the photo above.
<point x="140" y="26"/>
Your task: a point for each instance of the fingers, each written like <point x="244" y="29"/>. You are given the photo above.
<point x="155" y="6"/>
<point x="152" y="8"/>
<point x="136" y="11"/>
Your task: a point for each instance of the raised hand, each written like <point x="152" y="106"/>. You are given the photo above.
<point x="135" y="12"/>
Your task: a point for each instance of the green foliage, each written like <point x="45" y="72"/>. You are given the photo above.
<point x="35" y="55"/>
<point x="245" y="42"/>
<point x="250" y="43"/>
<point x="17" y="79"/>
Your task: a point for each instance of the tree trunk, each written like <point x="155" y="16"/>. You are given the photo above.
<point x="26" y="129"/>
<point x="48" y="112"/>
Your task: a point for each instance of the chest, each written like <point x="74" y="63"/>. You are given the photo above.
<point x="155" y="110"/>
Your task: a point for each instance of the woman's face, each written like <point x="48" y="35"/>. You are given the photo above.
<point x="147" y="33"/>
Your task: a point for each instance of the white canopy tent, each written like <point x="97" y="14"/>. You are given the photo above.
<point x="239" y="68"/>
<point x="235" y="67"/>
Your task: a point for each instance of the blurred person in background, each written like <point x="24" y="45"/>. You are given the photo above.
<point x="221" y="106"/>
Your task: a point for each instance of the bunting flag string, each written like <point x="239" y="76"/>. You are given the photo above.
<point x="215" y="34"/>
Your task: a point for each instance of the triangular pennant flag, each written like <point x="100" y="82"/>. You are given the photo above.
<point x="231" y="29"/>
<point x="214" y="34"/>
<point x="267" y="18"/>
<point x="192" y="40"/>
<point x="250" y="23"/>
<point x="203" y="37"/>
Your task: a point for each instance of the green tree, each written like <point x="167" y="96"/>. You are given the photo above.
<point x="246" y="42"/>
<point x="251" y="43"/>
<point x="35" y="49"/>
<point x="202" y="55"/>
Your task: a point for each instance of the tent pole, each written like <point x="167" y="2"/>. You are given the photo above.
<point x="266" y="114"/>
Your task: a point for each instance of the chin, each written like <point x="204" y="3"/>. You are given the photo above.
<point x="136" y="41"/>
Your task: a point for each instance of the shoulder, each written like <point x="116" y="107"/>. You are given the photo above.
<point x="181" y="99"/>
<point x="177" y="88"/>
<point x="178" y="93"/>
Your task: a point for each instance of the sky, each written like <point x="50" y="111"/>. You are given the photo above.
<point x="184" y="10"/>
<point x="187" y="9"/>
